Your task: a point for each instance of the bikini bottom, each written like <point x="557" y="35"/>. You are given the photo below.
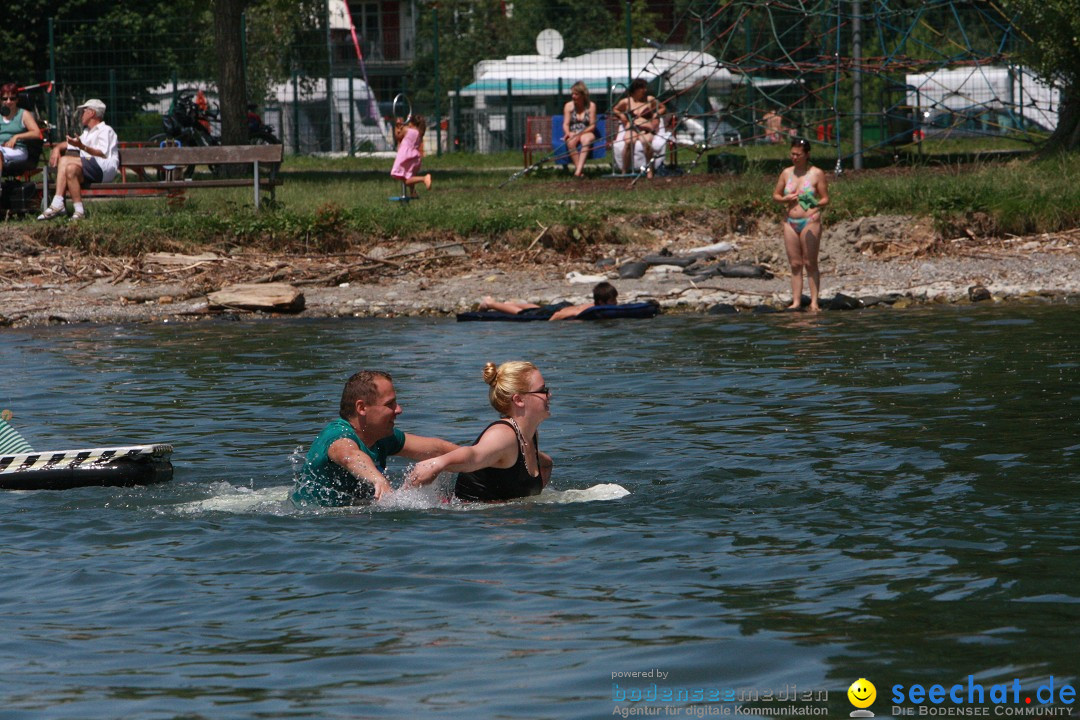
<point x="799" y="224"/>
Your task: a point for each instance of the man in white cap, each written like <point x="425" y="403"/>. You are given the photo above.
<point x="97" y="160"/>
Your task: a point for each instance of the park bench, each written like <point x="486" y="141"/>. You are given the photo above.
<point x="169" y="164"/>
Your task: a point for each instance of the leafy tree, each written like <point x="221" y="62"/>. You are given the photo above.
<point x="99" y="46"/>
<point x="279" y="38"/>
<point x="486" y="29"/>
<point x="1051" y="47"/>
<point x="283" y="36"/>
<point x="469" y="31"/>
<point x="228" y="50"/>
<point x="134" y="46"/>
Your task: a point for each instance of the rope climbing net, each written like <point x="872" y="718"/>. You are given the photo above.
<point x="890" y="70"/>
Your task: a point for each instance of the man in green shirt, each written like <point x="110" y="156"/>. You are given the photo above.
<point x="345" y="464"/>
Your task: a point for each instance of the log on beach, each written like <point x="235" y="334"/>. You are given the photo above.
<point x="266" y="297"/>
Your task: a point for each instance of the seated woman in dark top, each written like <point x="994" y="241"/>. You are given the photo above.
<point x="579" y="126"/>
<point x="505" y="462"/>
<point x="639" y="112"/>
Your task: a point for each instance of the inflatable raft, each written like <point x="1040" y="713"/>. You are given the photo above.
<point x="638" y="310"/>
<point x="106" y="467"/>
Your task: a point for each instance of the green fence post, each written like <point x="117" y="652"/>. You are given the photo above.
<point x="53" y="111"/>
<point x="352" y="115"/>
<point x="175" y="91"/>
<point x="296" y="112"/>
<point x="509" y="112"/>
<point x="629" y="46"/>
<point x="112" y="89"/>
<point x="457" y="116"/>
<point x="331" y="116"/>
<point x="438" y="106"/>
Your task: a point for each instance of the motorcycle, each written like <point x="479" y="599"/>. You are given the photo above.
<point x="188" y="124"/>
<point x="259" y="133"/>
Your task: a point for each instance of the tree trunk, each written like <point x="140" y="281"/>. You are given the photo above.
<point x="1067" y="134"/>
<point x="232" y="90"/>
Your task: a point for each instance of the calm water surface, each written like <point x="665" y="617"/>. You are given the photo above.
<point x="893" y="496"/>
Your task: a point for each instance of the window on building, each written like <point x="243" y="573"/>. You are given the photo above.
<point x="366" y="18"/>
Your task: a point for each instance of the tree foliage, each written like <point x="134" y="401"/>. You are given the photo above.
<point x="474" y="30"/>
<point x="124" y="50"/>
<point x="1051" y="47"/>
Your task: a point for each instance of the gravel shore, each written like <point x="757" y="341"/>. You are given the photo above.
<point x="883" y="261"/>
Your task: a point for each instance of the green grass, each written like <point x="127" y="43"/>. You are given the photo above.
<point x="331" y="205"/>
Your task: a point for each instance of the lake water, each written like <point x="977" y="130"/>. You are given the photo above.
<point x="811" y="500"/>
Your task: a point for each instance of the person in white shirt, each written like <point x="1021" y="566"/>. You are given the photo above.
<point x="97" y="161"/>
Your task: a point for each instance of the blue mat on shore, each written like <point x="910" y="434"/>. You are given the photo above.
<point x="596" y="312"/>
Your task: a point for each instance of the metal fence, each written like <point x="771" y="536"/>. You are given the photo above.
<point x="830" y="71"/>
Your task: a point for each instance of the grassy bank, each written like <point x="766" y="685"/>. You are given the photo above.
<point x="328" y="205"/>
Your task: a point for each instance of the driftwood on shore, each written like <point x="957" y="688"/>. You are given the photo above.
<point x="878" y="261"/>
<point x="267" y="297"/>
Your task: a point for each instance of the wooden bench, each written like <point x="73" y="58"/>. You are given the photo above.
<point x="171" y="161"/>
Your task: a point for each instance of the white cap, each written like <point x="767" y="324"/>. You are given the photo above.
<point x="95" y="105"/>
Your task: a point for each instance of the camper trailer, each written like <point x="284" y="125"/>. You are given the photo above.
<point x="971" y="92"/>
<point x="313" y="122"/>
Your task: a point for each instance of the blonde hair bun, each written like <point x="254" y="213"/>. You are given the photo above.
<point x="505" y="381"/>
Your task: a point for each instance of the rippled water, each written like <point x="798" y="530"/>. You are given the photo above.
<point x="811" y="500"/>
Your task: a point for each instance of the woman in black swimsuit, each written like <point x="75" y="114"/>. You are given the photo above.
<point x="505" y="462"/>
<point x="579" y="126"/>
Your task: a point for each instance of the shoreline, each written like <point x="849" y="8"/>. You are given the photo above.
<point x="886" y="261"/>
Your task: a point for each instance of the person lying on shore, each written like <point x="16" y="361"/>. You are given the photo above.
<point x="345" y="464"/>
<point x="505" y="462"/>
<point x="604" y="293"/>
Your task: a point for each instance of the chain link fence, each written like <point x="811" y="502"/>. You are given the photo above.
<point x="478" y="71"/>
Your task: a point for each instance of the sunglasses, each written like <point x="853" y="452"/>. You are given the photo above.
<point x="545" y="390"/>
<point x="7" y="97"/>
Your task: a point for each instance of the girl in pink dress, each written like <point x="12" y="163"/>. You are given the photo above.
<point x="410" y="140"/>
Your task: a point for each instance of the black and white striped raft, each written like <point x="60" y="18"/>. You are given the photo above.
<point x="63" y="469"/>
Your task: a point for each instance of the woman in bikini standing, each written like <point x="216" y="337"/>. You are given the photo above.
<point x="579" y="126"/>
<point x="639" y="112"/>
<point x="803" y="189"/>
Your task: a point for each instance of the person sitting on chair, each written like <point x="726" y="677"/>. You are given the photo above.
<point x="92" y="157"/>
<point x="579" y="126"/>
<point x="661" y="139"/>
<point x="604" y="293"/>
<point x="16" y="127"/>
<point x="639" y="112"/>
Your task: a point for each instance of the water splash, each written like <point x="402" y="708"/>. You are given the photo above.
<point x="275" y="500"/>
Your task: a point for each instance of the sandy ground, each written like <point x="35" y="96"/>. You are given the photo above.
<point x="886" y="261"/>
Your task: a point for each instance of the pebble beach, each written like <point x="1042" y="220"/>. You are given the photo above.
<point x="880" y="262"/>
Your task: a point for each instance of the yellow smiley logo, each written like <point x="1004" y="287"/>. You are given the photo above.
<point x="862" y="693"/>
